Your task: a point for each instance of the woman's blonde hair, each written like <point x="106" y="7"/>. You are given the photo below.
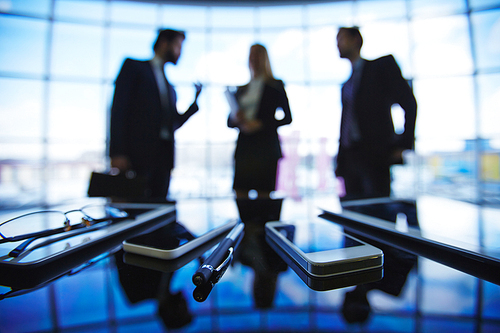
<point x="262" y="52"/>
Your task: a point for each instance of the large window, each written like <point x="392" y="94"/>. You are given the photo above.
<point x="59" y="58"/>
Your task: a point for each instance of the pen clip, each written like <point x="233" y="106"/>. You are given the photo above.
<point x="221" y="269"/>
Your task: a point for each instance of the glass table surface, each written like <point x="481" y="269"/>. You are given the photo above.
<point x="258" y="293"/>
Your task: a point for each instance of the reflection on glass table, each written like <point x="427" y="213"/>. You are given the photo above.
<point x="463" y="235"/>
<point x="427" y="297"/>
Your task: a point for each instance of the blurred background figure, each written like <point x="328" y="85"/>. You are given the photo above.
<point x="140" y="284"/>
<point x="254" y="251"/>
<point x="258" y="147"/>
<point x="368" y="142"/>
<point x="398" y="264"/>
<point x="144" y="116"/>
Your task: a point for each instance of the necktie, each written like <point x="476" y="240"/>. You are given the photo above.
<point x="348" y="120"/>
<point x="166" y="120"/>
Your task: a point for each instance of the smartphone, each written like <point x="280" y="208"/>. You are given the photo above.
<point x="321" y="248"/>
<point x="175" y="239"/>
<point x="172" y="265"/>
<point x="330" y="282"/>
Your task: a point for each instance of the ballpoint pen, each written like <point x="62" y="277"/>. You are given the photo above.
<point x="202" y="291"/>
<point x="220" y="258"/>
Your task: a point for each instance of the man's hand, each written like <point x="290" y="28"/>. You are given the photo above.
<point x="397" y="156"/>
<point x="198" y="86"/>
<point x="121" y="163"/>
<point x="251" y="126"/>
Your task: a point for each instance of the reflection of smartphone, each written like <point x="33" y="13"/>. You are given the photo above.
<point x="321" y="249"/>
<point x="175" y="240"/>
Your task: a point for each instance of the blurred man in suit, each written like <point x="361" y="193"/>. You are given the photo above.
<point x="368" y="142"/>
<point x="144" y="116"/>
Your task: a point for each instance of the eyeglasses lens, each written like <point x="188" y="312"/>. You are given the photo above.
<point x="100" y="212"/>
<point x="32" y="223"/>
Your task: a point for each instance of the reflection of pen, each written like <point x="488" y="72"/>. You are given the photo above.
<point x="219" y="259"/>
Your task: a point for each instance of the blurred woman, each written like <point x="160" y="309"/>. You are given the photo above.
<point x="263" y="107"/>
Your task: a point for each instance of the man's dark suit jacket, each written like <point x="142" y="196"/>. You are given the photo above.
<point x="381" y="85"/>
<point x="136" y="116"/>
<point x="265" y="142"/>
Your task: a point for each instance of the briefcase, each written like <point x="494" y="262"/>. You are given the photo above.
<point x="116" y="186"/>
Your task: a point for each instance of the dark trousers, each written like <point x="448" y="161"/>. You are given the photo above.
<point x="157" y="173"/>
<point x="365" y="174"/>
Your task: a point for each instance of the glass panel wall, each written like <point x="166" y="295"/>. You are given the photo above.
<point x="23" y="43"/>
<point x="59" y="60"/>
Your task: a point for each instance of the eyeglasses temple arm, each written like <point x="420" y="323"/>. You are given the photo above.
<point x="76" y="230"/>
<point x="21" y="247"/>
<point x="34" y="235"/>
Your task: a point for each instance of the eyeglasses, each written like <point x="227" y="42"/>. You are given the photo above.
<point x="50" y="222"/>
